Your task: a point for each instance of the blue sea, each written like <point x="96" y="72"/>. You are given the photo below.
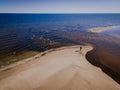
<point x="17" y="30"/>
<point x="55" y="19"/>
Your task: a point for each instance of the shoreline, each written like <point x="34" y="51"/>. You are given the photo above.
<point x="93" y="58"/>
<point x="35" y="57"/>
<point x="60" y="68"/>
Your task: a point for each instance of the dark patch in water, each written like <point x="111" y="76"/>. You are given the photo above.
<point x="93" y="58"/>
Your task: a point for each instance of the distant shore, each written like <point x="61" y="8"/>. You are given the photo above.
<point x="101" y="29"/>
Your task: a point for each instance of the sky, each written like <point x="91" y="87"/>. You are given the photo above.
<point x="59" y="6"/>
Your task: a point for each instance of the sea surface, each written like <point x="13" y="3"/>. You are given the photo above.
<point x="17" y="28"/>
<point x="64" y="19"/>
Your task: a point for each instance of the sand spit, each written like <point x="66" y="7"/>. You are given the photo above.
<point x="101" y="29"/>
<point x="61" y="69"/>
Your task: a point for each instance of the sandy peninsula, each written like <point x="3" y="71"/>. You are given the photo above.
<point x="101" y="29"/>
<point x="64" y="68"/>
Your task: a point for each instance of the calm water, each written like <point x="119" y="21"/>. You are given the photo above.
<point x="67" y="19"/>
<point x="23" y="31"/>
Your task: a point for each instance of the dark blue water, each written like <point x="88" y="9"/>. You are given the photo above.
<point x="50" y="19"/>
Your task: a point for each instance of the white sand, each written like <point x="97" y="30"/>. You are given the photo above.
<point x="63" y="69"/>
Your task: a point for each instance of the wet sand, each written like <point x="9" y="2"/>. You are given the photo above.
<point x="59" y="69"/>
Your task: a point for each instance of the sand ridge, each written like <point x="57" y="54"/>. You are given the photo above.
<point x="61" y="69"/>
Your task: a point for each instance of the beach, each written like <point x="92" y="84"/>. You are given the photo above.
<point x="64" y="68"/>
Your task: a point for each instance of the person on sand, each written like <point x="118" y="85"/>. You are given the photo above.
<point x="80" y="48"/>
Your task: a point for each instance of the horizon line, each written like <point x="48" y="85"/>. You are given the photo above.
<point x="56" y="13"/>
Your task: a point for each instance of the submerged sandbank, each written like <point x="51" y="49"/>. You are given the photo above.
<point x="101" y="29"/>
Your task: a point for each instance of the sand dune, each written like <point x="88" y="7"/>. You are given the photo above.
<point x="62" y="69"/>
